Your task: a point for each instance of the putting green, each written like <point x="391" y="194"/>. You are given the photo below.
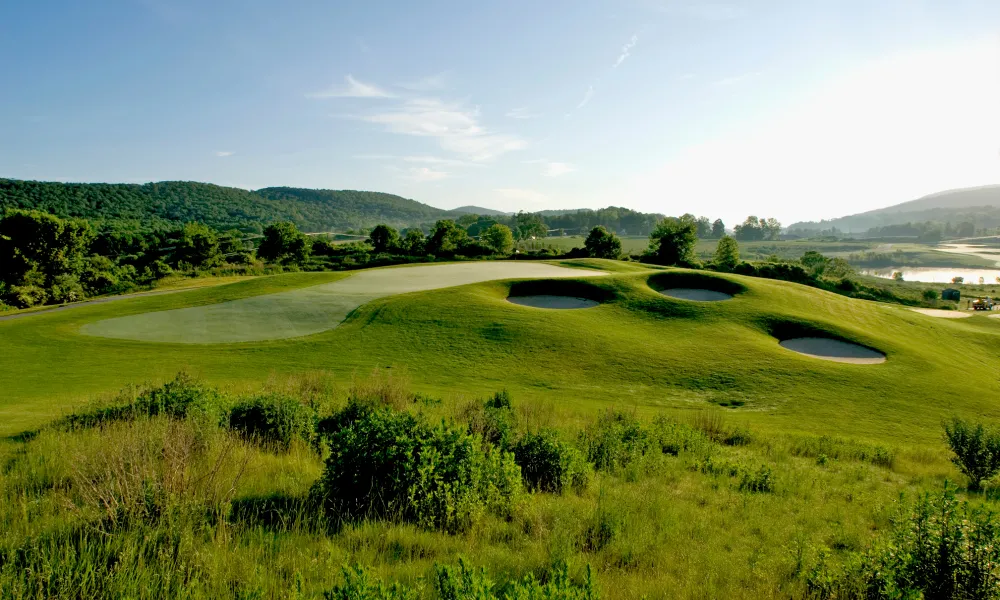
<point x="309" y="310"/>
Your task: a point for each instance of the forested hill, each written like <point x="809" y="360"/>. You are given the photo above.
<point x="159" y="204"/>
<point x="326" y="210"/>
<point x="979" y="206"/>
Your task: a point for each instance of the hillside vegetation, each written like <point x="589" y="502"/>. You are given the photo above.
<point x="978" y="207"/>
<point x="222" y="208"/>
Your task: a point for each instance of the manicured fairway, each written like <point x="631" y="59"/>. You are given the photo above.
<point x="309" y="310"/>
<point x="637" y="349"/>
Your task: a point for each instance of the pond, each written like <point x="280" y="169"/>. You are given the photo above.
<point x="938" y="274"/>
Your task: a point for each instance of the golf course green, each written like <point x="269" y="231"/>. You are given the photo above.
<point x="637" y="347"/>
<point x="308" y="310"/>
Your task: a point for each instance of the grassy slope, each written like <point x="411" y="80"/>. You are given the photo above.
<point x="640" y="350"/>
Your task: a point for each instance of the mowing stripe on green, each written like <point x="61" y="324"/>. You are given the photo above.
<point x="310" y="310"/>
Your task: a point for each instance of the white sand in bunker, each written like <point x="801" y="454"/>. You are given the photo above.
<point x="943" y="314"/>
<point x="556" y="302"/>
<point x="696" y="295"/>
<point x="835" y="350"/>
<point x="314" y="309"/>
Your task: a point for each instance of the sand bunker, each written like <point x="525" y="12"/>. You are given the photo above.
<point x="314" y="309"/>
<point x="557" y="302"/>
<point x="834" y="350"/>
<point x="943" y="314"/>
<point x="695" y="294"/>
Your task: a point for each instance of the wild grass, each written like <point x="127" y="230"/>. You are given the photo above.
<point x="161" y="506"/>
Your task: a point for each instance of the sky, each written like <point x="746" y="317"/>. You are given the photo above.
<point x="796" y="109"/>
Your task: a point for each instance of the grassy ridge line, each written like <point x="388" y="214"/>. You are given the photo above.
<point x="639" y="350"/>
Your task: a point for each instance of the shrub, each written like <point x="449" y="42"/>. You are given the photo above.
<point x="616" y="441"/>
<point x="493" y="420"/>
<point x="389" y="464"/>
<point x="550" y="465"/>
<point x="761" y="480"/>
<point x="930" y="295"/>
<point x="674" y="437"/>
<point x="177" y="399"/>
<point x="976" y="448"/>
<point x="940" y="549"/>
<point x="272" y="420"/>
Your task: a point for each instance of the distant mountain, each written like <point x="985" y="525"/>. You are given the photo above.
<point x="978" y="205"/>
<point x="168" y="202"/>
<point x="479" y="210"/>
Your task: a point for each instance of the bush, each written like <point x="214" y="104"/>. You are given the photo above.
<point x="388" y="464"/>
<point x="930" y="295"/>
<point x="550" y="465"/>
<point x="617" y="441"/>
<point x="940" y="549"/>
<point x="272" y="420"/>
<point x="493" y="420"/>
<point x="674" y="437"/>
<point x="176" y="399"/>
<point x="976" y="448"/>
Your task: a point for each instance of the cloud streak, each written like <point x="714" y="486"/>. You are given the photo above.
<point x="626" y="51"/>
<point x="455" y="126"/>
<point x="352" y="89"/>
<point x="586" y="98"/>
<point x="224" y="153"/>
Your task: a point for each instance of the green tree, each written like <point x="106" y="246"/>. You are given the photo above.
<point x="727" y="253"/>
<point x="718" y="228"/>
<point x="383" y="238"/>
<point x="33" y="241"/>
<point x="198" y="246"/>
<point x="976" y="448"/>
<point x="602" y="243"/>
<point x="672" y="241"/>
<point x="530" y="225"/>
<point x="704" y="227"/>
<point x="446" y="238"/>
<point x="284" y="243"/>
<point x="815" y="262"/>
<point x="499" y="239"/>
<point x="413" y="243"/>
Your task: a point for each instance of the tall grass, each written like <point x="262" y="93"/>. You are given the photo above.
<point x="180" y="506"/>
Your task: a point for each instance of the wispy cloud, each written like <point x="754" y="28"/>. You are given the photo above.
<point x="626" y="50"/>
<point x="522" y="195"/>
<point x="431" y="83"/>
<point x="521" y="112"/>
<point x="455" y="126"/>
<point x="352" y="89"/>
<point x="557" y="169"/>
<point x="224" y="153"/>
<point x="586" y="97"/>
<point x="425" y="174"/>
<point x="727" y="81"/>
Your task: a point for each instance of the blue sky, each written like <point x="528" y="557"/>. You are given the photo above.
<point x="795" y="109"/>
